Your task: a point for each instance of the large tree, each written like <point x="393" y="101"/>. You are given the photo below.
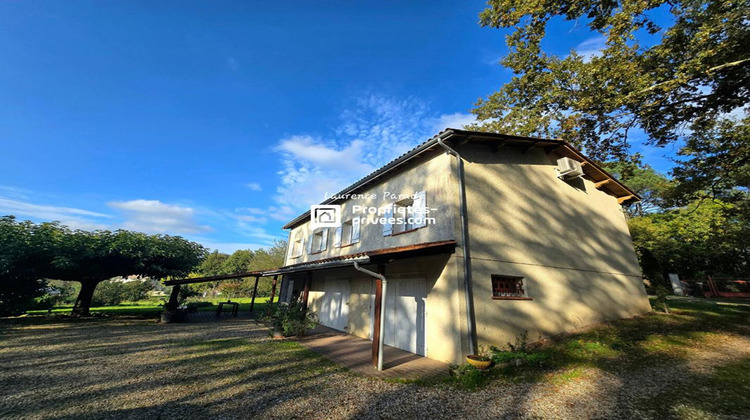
<point x="52" y="251"/>
<point x="662" y="80"/>
<point x="24" y="248"/>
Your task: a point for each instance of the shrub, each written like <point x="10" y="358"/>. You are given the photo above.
<point x="290" y="319"/>
<point x="468" y="377"/>
<point x="108" y="293"/>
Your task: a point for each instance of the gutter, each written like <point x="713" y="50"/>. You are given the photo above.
<point x="381" y="336"/>
<point x="468" y="295"/>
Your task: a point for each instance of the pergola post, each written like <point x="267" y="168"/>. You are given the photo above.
<point x="306" y="291"/>
<point x="273" y="289"/>
<point x="376" y="315"/>
<point x="255" y="292"/>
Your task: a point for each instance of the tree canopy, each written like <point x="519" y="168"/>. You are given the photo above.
<point x="688" y="75"/>
<point x="51" y="251"/>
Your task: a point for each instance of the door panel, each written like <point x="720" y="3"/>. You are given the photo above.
<point x="334" y="304"/>
<point x="405" y="315"/>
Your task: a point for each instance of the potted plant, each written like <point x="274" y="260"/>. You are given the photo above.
<point x="482" y="360"/>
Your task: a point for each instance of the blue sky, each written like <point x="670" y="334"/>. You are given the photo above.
<point x="219" y="121"/>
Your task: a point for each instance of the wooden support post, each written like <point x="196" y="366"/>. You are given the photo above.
<point x="376" y="315"/>
<point x="255" y="292"/>
<point x="306" y="291"/>
<point x="173" y="298"/>
<point x="273" y="289"/>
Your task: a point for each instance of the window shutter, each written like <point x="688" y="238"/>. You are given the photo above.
<point x="355" y="230"/>
<point x="420" y="210"/>
<point x="387" y="227"/>
<point x="301" y="247"/>
<point x="309" y="244"/>
<point x="324" y="240"/>
<point x="337" y="237"/>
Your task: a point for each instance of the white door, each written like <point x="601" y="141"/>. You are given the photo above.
<point x="405" y="315"/>
<point x="334" y="304"/>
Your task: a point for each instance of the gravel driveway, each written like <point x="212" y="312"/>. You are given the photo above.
<point x="231" y="369"/>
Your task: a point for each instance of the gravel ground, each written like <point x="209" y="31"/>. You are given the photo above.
<point x="231" y="369"/>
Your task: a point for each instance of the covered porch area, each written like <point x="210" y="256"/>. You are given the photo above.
<point x="379" y="300"/>
<point x="355" y="354"/>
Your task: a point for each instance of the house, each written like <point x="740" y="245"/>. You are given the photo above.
<point x="470" y="238"/>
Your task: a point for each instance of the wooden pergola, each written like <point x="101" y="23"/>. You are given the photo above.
<point x="177" y="284"/>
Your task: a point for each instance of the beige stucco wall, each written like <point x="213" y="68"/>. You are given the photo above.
<point x="568" y="240"/>
<point x="434" y="176"/>
<point x="443" y="328"/>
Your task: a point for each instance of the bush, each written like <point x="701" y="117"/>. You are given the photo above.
<point x="468" y="377"/>
<point x="134" y="291"/>
<point x="290" y="319"/>
<point x="108" y="293"/>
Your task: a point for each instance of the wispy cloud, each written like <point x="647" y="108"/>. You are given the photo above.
<point x="232" y="64"/>
<point x="254" y="186"/>
<point x="153" y="216"/>
<point x="373" y="131"/>
<point x="591" y="47"/>
<point x="72" y="217"/>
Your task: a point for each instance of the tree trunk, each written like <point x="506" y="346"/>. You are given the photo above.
<point x="83" y="301"/>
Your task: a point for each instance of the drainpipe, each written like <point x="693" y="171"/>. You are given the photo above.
<point x="382" y="310"/>
<point x="464" y="244"/>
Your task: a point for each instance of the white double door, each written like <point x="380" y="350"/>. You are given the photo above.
<point x="334" y="304"/>
<point x="405" y="315"/>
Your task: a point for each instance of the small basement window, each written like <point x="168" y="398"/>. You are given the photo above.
<point x="508" y="288"/>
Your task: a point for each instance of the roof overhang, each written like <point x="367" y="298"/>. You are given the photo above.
<point x="378" y="256"/>
<point x="602" y="179"/>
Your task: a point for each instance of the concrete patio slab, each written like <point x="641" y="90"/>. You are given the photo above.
<point x="356" y="354"/>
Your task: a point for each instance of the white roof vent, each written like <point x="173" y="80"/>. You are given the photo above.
<point x="568" y="168"/>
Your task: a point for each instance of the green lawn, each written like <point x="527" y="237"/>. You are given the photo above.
<point x="148" y="308"/>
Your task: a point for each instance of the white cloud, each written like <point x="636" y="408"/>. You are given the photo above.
<point x="307" y="150"/>
<point x="69" y="216"/>
<point x="591" y="47"/>
<point x="153" y="216"/>
<point x="232" y="64"/>
<point x="374" y="131"/>
<point x="14" y="192"/>
<point x="254" y="186"/>
<point x="456" y="120"/>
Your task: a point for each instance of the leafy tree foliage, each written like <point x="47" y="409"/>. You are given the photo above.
<point x="660" y="80"/>
<point x="653" y="187"/>
<point x="114" y="292"/>
<point x="709" y="237"/>
<point x="51" y="251"/>
<point x="718" y="163"/>
<point x="25" y="246"/>
<point x="218" y="263"/>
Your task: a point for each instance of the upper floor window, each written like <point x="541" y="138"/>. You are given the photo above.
<point x="297" y="246"/>
<point x="318" y="241"/>
<point x="347" y="233"/>
<point x="406" y="215"/>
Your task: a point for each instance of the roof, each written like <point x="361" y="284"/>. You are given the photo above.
<point x="371" y="257"/>
<point x="592" y="170"/>
<point x="374" y="256"/>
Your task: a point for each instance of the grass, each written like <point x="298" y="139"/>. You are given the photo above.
<point x="623" y="346"/>
<point x="149" y="308"/>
